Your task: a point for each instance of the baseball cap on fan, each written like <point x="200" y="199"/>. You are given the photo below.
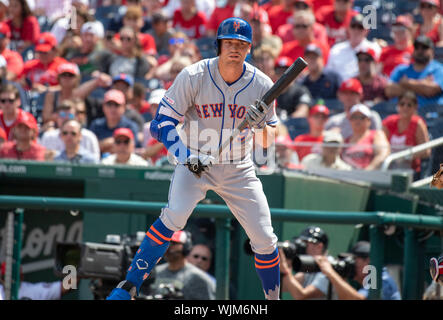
<point x="362" y="109"/>
<point x="5" y="31"/>
<point x="179" y="236"/>
<point x="368" y="51"/>
<point x="46" y="42"/>
<point x="361" y="249"/>
<point x="94" y="27"/>
<point x="123" y="132"/>
<point x="69" y="67"/>
<point x="283" y="62"/>
<point x="352" y="85"/>
<point x="28" y="120"/>
<point x="319" y="108"/>
<point x="115" y="96"/>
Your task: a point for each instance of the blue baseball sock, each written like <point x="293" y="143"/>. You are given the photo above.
<point x="268" y="270"/>
<point x="151" y="250"/>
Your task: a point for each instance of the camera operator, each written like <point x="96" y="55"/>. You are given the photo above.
<point x="193" y="282"/>
<point x="303" y="285"/>
<point x="344" y="290"/>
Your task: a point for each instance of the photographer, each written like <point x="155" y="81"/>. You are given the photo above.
<point x="344" y="290"/>
<point x="194" y="283"/>
<point x="303" y="285"/>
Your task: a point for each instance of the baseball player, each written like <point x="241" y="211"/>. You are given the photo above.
<point x="214" y="96"/>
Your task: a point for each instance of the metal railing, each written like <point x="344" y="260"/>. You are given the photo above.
<point x="410" y="152"/>
<point x="223" y="225"/>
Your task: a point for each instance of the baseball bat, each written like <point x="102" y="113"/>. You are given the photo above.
<point x="281" y="84"/>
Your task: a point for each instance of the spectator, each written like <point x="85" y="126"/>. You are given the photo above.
<point x="52" y="10"/>
<point x="125" y="84"/>
<point x="400" y="52"/>
<point x="34" y="291"/>
<point x="139" y="103"/>
<point x="284" y="153"/>
<point x="68" y="76"/>
<point x="281" y="14"/>
<point x="52" y="139"/>
<point x="321" y="83"/>
<point x="201" y="257"/>
<point x="271" y="4"/>
<point x="24" y="146"/>
<point x="305" y="144"/>
<point x="345" y="291"/>
<point x="304" y="35"/>
<point x="259" y="21"/>
<point x="406" y="129"/>
<point x="88" y="54"/>
<point x="11" y="111"/>
<point x="286" y="31"/>
<point x="372" y="82"/>
<point x="13" y="59"/>
<point x="4" y="4"/>
<point x="41" y="72"/>
<point x="367" y="148"/>
<point x="189" y="20"/>
<point x="330" y="154"/>
<point x="350" y="93"/>
<point x="161" y="32"/>
<point x="133" y="18"/>
<point x="219" y="14"/>
<point x="423" y="76"/>
<point x="123" y="150"/>
<point x="117" y="21"/>
<point x="25" y="30"/>
<point x="205" y="6"/>
<point x="169" y="70"/>
<point x="307" y="286"/>
<point x="114" y="107"/>
<point x="342" y="58"/>
<point x="80" y="111"/>
<point x="3" y="137"/>
<point x="431" y="26"/>
<point x="264" y="57"/>
<point x="336" y="19"/>
<point x="66" y="32"/>
<point x="193" y="282"/>
<point x="154" y="100"/>
<point x="24" y="96"/>
<point x="130" y="59"/>
<point x="294" y="101"/>
<point x="70" y="133"/>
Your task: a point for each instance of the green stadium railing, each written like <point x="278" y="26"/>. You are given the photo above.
<point x="222" y="214"/>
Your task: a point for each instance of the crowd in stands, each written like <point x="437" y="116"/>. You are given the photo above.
<point x="81" y="79"/>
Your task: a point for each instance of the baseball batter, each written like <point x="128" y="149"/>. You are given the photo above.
<point x="213" y="96"/>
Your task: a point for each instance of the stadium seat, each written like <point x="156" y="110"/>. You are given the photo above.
<point x="36" y="102"/>
<point x="385" y="108"/>
<point x="206" y="47"/>
<point x="297" y="126"/>
<point x="150" y="84"/>
<point x="436" y="131"/>
<point x="431" y="113"/>
<point x="438" y="54"/>
<point x="334" y="106"/>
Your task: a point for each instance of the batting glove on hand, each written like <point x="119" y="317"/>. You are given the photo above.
<point x="255" y="117"/>
<point x="198" y="164"/>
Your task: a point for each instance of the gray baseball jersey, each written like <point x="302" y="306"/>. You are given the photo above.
<point x="212" y="109"/>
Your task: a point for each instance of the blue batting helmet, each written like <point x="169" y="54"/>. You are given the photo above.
<point x="234" y="28"/>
